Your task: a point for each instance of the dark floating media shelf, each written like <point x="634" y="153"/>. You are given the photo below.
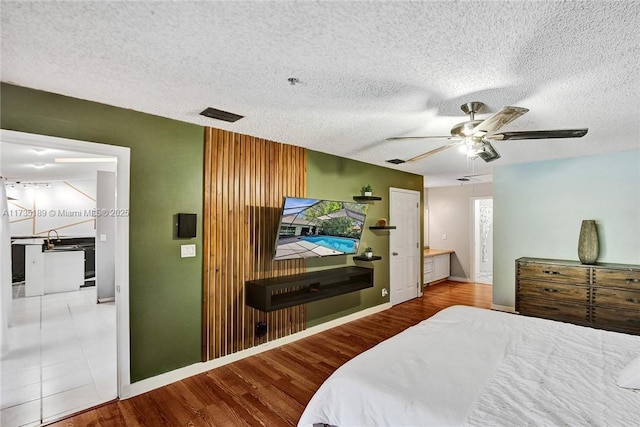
<point x="276" y="293"/>
<point x="382" y="227"/>
<point x="366" y="198"/>
<point x="364" y="258"/>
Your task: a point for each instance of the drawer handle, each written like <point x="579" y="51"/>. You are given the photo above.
<point x="550" y="290"/>
<point x="550" y="272"/>
<point x="551" y="308"/>
<point x="634" y="321"/>
<point x="636" y="300"/>
<point x="633" y="281"/>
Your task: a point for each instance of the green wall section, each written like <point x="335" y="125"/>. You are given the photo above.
<point x="166" y="178"/>
<point x="336" y="178"/>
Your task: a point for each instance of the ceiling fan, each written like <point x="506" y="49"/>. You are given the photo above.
<point x="467" y="178"/>
<point x="475" y="134"/>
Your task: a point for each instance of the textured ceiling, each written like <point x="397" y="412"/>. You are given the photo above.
<point x="367" y="70"/>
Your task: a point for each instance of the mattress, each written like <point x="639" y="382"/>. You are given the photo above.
<point x="472" y="366"/>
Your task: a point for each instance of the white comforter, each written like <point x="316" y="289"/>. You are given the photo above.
<point x="470" y="366"/>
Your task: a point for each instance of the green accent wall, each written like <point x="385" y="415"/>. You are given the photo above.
<point x="336" y="178"/>
<point x="166" y="178"/>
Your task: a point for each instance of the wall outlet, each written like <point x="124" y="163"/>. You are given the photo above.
<point x="444" y="236"/>
<point x="261" y="329"/>
<point x="384" y="292"/>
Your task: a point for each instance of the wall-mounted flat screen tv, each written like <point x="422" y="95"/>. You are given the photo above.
<point x="316" y="228"/>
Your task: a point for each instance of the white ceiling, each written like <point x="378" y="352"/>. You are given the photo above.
<point x="28" y="163"/>
<point x="367" y="70"/>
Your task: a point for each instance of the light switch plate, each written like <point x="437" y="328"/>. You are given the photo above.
<point x="187" y="251"/>
<point x="103" y="237"/>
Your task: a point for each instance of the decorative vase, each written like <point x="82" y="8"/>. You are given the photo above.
<point x="368" y="193"/>
<point x="588" y="246"/>
<point x="368" y="254"/>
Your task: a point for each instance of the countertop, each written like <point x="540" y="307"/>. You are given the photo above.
<point x="35" y="241"/>
<point x="433" y="252"/>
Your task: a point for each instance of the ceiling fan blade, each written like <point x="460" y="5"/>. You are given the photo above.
<point x="499" y="119"/>
<point x="478" y="174"/>
<point x="540" y="134"/>
<point x="487" y="152"/>
<point x="404" y="138"/>
<point x="437" y="150"/>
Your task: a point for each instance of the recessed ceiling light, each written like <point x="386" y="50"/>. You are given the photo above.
<point x="39" y="165"/>
<point x="86" y="159"/>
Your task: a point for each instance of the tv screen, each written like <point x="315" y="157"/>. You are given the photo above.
<point x="316" y="228"/>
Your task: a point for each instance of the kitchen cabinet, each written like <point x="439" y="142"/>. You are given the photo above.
<point x="53" y="271"/>
<point x="63" y="271"/>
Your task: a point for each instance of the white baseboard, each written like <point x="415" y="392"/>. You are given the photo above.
<point x="507" y="308"/>
<point x="459" y="279"/>
<point x="200" y="367"/>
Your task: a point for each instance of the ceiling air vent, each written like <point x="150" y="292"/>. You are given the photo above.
<point x="221" y="115"/>
<point x="395" y="161"/>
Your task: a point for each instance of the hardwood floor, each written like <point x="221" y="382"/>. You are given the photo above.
<point x="272" y="388"/>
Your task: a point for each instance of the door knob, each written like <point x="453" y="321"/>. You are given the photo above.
<point x="394" y="253"/>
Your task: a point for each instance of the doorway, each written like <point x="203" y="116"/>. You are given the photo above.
<point x="404" y="245"/>
<point x="482" y="240"/>
<point x="45" y="379"/>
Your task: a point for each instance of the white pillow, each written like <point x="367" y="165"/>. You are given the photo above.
<point x="630" y="376"/>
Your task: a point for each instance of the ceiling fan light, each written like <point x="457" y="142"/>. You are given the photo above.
<point x="488" y="153"/>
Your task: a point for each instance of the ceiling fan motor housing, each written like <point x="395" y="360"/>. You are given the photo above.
<point x="471" y="108"/>
<point x="465" y="129"/>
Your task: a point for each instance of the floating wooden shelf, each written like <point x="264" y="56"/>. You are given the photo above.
<point x="276" y="293"/>
<point x="366" y="198"/>
<point x="364" y="258"/>
<point x="382" y="227"/>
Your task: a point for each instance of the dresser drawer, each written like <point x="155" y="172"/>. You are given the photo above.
<point x="616" y="298"/>
<point x="554" y="310"/>
<point x="552" y="290"/>
<point x="553" y="273"/>
<point x="617" y="320"/>
<point x="613" y="277"/>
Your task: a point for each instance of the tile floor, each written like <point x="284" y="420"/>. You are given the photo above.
<point x="62" y="357"/>
<point x="485" y="277"/>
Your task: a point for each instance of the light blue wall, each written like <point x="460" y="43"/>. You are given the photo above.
<point x="539" y="207"/>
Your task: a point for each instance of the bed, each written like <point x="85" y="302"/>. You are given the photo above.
<point x="477" y="367"/>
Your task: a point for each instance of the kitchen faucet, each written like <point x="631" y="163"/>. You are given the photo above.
<point x="49" y="244"/>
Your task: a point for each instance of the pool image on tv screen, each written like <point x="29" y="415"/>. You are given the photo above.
<point x="315" y="228"/>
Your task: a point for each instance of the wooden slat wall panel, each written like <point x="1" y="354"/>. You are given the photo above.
<point x="245" y="181"/>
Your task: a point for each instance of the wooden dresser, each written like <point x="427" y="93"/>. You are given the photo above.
<point x="605" y="296"/>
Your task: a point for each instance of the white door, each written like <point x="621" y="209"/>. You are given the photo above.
<point x="483" y="240"/>
<point x="404" y="244"/>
